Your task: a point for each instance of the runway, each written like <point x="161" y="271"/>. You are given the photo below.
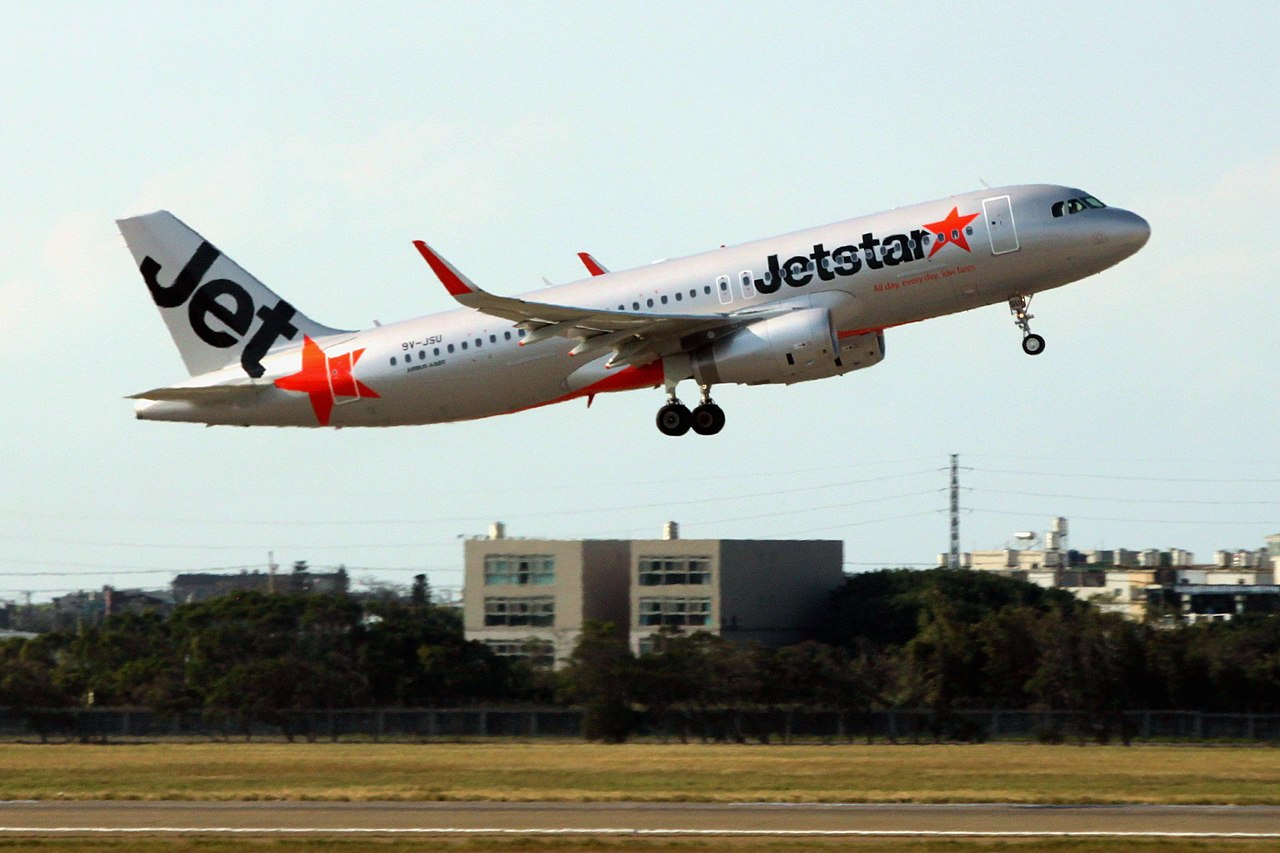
<point x="635" y="819"/>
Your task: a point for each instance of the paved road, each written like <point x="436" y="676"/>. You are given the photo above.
<point x="889" y="819"/>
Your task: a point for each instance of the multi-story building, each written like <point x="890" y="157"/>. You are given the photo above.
<point x="764" y="591"/>
<point x="201" y="586"/>
<point x="530" y="597"/>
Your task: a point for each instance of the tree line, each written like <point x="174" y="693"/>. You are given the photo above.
<point x="943" y="641"/>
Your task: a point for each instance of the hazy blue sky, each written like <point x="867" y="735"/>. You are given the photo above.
<point x="312" y="142"/>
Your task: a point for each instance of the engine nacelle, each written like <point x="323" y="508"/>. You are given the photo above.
<point x="793" y="347"/>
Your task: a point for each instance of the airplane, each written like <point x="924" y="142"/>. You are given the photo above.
<point x="806" y="305"/>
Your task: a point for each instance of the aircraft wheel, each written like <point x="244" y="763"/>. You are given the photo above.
<point x="674" y="419"/>
<point x="1033" y="344"/>
<point x="708" y="419"/>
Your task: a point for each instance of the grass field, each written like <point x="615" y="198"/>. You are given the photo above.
<point x="576" y="771"/>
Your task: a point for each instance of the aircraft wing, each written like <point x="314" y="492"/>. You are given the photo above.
<point x="636" y="338"/>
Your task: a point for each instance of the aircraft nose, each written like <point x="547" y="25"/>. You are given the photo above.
<point x="1130" y="231"/>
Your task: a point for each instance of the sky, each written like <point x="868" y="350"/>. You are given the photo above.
<point x="314" y="141"/>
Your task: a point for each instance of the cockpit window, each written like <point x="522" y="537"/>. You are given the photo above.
<point x="1075" y="205"/>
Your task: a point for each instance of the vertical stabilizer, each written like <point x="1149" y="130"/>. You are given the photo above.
<point x="217" y="313"/>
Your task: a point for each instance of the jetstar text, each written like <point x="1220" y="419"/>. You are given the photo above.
<point x="848" y="260"/>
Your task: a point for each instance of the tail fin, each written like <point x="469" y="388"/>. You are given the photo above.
<point x="216" y="312"/>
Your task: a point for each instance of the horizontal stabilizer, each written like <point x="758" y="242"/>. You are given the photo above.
<point x="201" y="394"/>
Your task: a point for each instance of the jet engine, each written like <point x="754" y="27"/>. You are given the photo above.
<point x="793" y="347"/>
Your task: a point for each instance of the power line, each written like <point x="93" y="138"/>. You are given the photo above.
<point x="1099" y="498"/>
<point x="1024" y="513"/>
<point x="1127" y="477"/>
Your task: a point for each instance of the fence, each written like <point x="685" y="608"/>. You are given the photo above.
<point x="717" y="724"/>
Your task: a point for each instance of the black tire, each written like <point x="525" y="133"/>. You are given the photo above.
<point x="674" y="419"/>
<point x="1033" y="344"/>
<point x="708" y="419"/>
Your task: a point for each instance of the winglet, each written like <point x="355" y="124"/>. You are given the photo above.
<point x="593" y="266"/>
<point x="455" y="282"/>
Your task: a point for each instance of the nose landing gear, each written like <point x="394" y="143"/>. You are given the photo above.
<point x="1031" y="344"/>
<point x="675" y="418"/>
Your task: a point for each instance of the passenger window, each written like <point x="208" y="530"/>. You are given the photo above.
<point x="635" y="306"/>
<point x="506" y="336"/>
<point x="422" y="355"/>
<point x="464" y="344"/>
<point x="493" y="339"/>
<point x="969" y="230"/>
<point x="450" y="348"/>
<point x="478" y="343"/>
<point x="522" y="333"/>
<point x="393" y="361"/>
<point x="436" y="352"/>
<point x="706" y="289"/>
<point x="649" y="302"/>
<point x="622" y="308"/>
<point x="408" y="356"/>
<point x="664" y="300"/>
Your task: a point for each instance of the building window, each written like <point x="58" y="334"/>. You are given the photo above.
<point x="666" y="571"/>
<point x="541" y="653"/>
<point x="675" y="611"/>
<point x="536" y="612"/>
<point x="519" y="569"/>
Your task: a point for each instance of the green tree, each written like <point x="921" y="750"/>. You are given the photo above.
<point x="599" y="676"/>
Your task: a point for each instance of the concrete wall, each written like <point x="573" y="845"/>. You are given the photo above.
<point x="606" y="582"/>
<point x="773" y="592"/>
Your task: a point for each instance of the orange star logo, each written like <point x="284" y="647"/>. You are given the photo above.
<point x="325" y="379"/>
<point x="950" y="230"/>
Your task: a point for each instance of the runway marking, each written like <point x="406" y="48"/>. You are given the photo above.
<point x="790" y="833"/>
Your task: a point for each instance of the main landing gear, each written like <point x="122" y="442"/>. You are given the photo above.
<point x="675" y="418"/>
<point x="1031" y="344"/>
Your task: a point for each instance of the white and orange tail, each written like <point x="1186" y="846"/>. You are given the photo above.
<point x="217" y="313"/>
